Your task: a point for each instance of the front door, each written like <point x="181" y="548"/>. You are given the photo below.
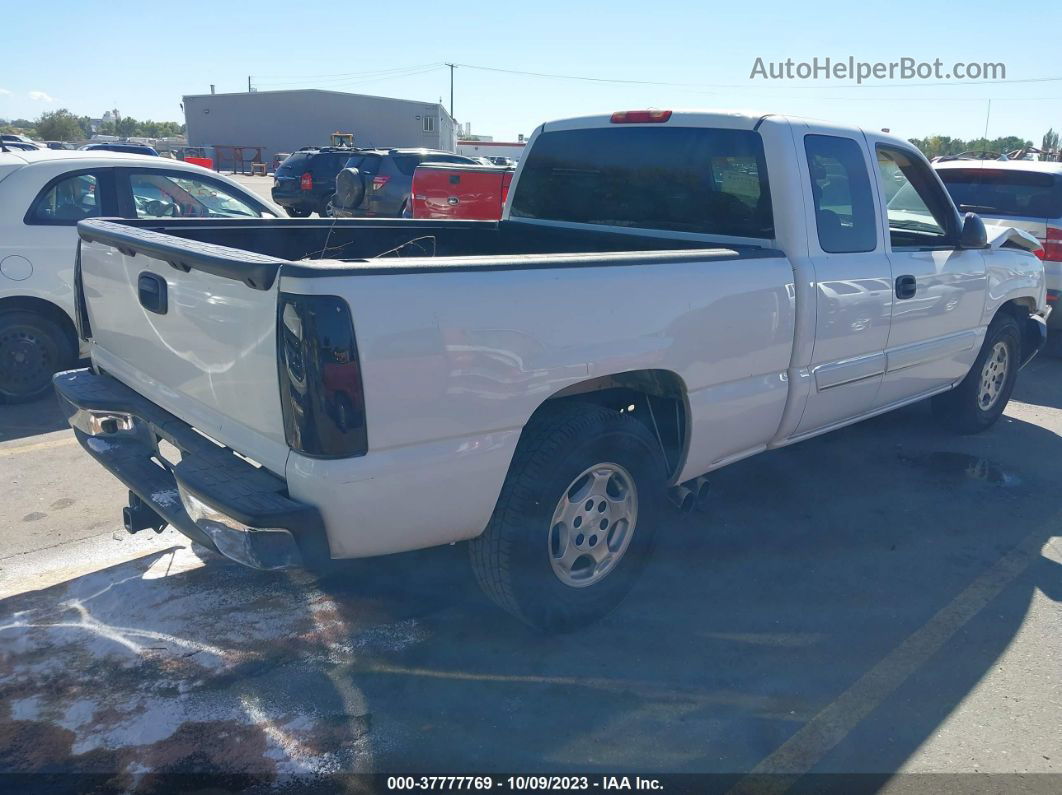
<point x="939" y="288"/>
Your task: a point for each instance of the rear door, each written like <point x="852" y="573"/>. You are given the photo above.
<point x="44" y="230"/>
<point x="939" y="288"/>
<point x="853" y="295"/>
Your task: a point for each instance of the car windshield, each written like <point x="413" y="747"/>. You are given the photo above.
<point x="1008" y="192"/>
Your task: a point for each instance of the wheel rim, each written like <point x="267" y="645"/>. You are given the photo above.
<point x="592" y="525"/>
<point x="993" y="376"/>
<point x="25" y="363"/>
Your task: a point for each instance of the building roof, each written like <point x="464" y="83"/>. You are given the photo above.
<point x="344" y="94"/>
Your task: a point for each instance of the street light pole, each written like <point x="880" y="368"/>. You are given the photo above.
<point x="452" y="67"/>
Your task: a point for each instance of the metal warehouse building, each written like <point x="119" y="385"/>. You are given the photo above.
<point x="284" y="121"/>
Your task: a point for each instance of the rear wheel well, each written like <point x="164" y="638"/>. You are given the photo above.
<point x="656" y="398"/>
<point x="25" y="303"/>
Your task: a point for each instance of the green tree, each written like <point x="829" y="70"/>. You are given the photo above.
<point x="125" y="126"/>
<point x="1050" y="141"/>
<point x="58" y="125"/>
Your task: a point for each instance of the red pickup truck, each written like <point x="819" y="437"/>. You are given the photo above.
<point x="460" y="192"/>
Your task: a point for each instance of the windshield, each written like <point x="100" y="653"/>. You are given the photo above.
<point x="1004" y="191"/>
<point x="702" y="180"/>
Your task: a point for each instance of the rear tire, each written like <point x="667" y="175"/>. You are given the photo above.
<point x="32" y="348"/>
<point x="978" y="401"/>
<point x="325" y="209"/>
<point x="576" y="518"/>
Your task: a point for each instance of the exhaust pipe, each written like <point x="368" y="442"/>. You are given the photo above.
<point x="682" y="498"/>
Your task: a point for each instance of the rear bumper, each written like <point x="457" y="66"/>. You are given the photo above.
<point x="210" y="495"/>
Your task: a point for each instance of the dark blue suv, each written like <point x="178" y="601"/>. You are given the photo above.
<point x="306" y="181"/>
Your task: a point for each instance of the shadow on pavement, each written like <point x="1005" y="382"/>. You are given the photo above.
<point x="30" y="419"/>
<point x="811" y="567"/>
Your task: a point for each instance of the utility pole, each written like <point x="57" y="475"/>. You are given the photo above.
<point x="248" y="84"/>
<point x="452" y="67"/>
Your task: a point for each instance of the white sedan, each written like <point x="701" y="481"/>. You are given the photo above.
<point x="43" y="194"/>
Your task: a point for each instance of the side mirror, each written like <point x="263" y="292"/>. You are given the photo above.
<point x="973" y="232"/>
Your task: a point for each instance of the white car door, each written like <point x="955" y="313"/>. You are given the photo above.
<point x="42" y="225"/>
<point x="853" y="284"/>
<point x="939" y="287"/>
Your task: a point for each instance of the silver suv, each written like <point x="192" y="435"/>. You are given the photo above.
<point x="1026" y="194"/>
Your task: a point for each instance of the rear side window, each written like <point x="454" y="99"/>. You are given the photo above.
<point x="843" y="201"/>
<point x="686" y="179"/>
<point x="67" y="201"/>
<point x="330" y="163"/>
<point x="407" y="164"/>
<point x="1004" y="192"/>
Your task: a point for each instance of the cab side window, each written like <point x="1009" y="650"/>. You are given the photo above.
<point x="66" y="201"/>
<point x="917" y="207"/>
<point x="843" y="199"/>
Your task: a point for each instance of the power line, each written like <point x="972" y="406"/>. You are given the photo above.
<point x="750" y="84"/>
<point x="290" y="77"/>
<point x="340" y="83"/>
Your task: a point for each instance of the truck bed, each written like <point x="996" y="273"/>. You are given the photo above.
<point x="254" y="250"/>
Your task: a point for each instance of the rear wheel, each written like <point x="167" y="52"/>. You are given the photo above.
<point x="325" y="208"/>
<point x="32" y="348"/>
<point x="575" y="521"/>
<point x="978" y="401"/>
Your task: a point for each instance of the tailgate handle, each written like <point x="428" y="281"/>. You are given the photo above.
<point x="151" y="288"/>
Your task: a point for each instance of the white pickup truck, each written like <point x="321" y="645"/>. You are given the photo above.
<point x="667" y="292"/>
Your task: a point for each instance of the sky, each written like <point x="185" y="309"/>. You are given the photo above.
<point x="142" y="57"/>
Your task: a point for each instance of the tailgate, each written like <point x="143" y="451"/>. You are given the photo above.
<point x="206" y="352"/>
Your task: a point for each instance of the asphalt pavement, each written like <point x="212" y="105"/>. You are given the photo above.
<point x="882" y="599"/>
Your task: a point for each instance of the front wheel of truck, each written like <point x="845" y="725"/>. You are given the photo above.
<point x="979" y="399"/>
<point x="575" y="520"/>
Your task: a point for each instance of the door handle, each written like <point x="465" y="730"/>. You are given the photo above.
<point x="906" y="286"/>
<point x="151" y="289"/>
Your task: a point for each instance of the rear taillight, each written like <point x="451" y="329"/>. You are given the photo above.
<point x="321" y="394"/>
<point x="379" y="182"/>
<point x="640" y="116"/>
<point x="306" y="181"/>
<point x="1052" y="250"/>
<point x="507" y="180"/>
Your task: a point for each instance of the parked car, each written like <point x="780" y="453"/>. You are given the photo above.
<point x="18" y="146"/>
<point x="470" y="193"/>
<point x="377" y="182"/>
<point x="58" y="145"/>
<point x="128" y="148"/>
<point x="278" y="158"/>
<point x="649" y="309"/>
<point x="43" y="194"/>
<point x="1025" y="194"/>
<point x="17" y="139"/>
<point x="306" y="181"/>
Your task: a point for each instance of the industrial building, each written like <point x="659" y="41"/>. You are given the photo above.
<point x="284" y="121"/>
